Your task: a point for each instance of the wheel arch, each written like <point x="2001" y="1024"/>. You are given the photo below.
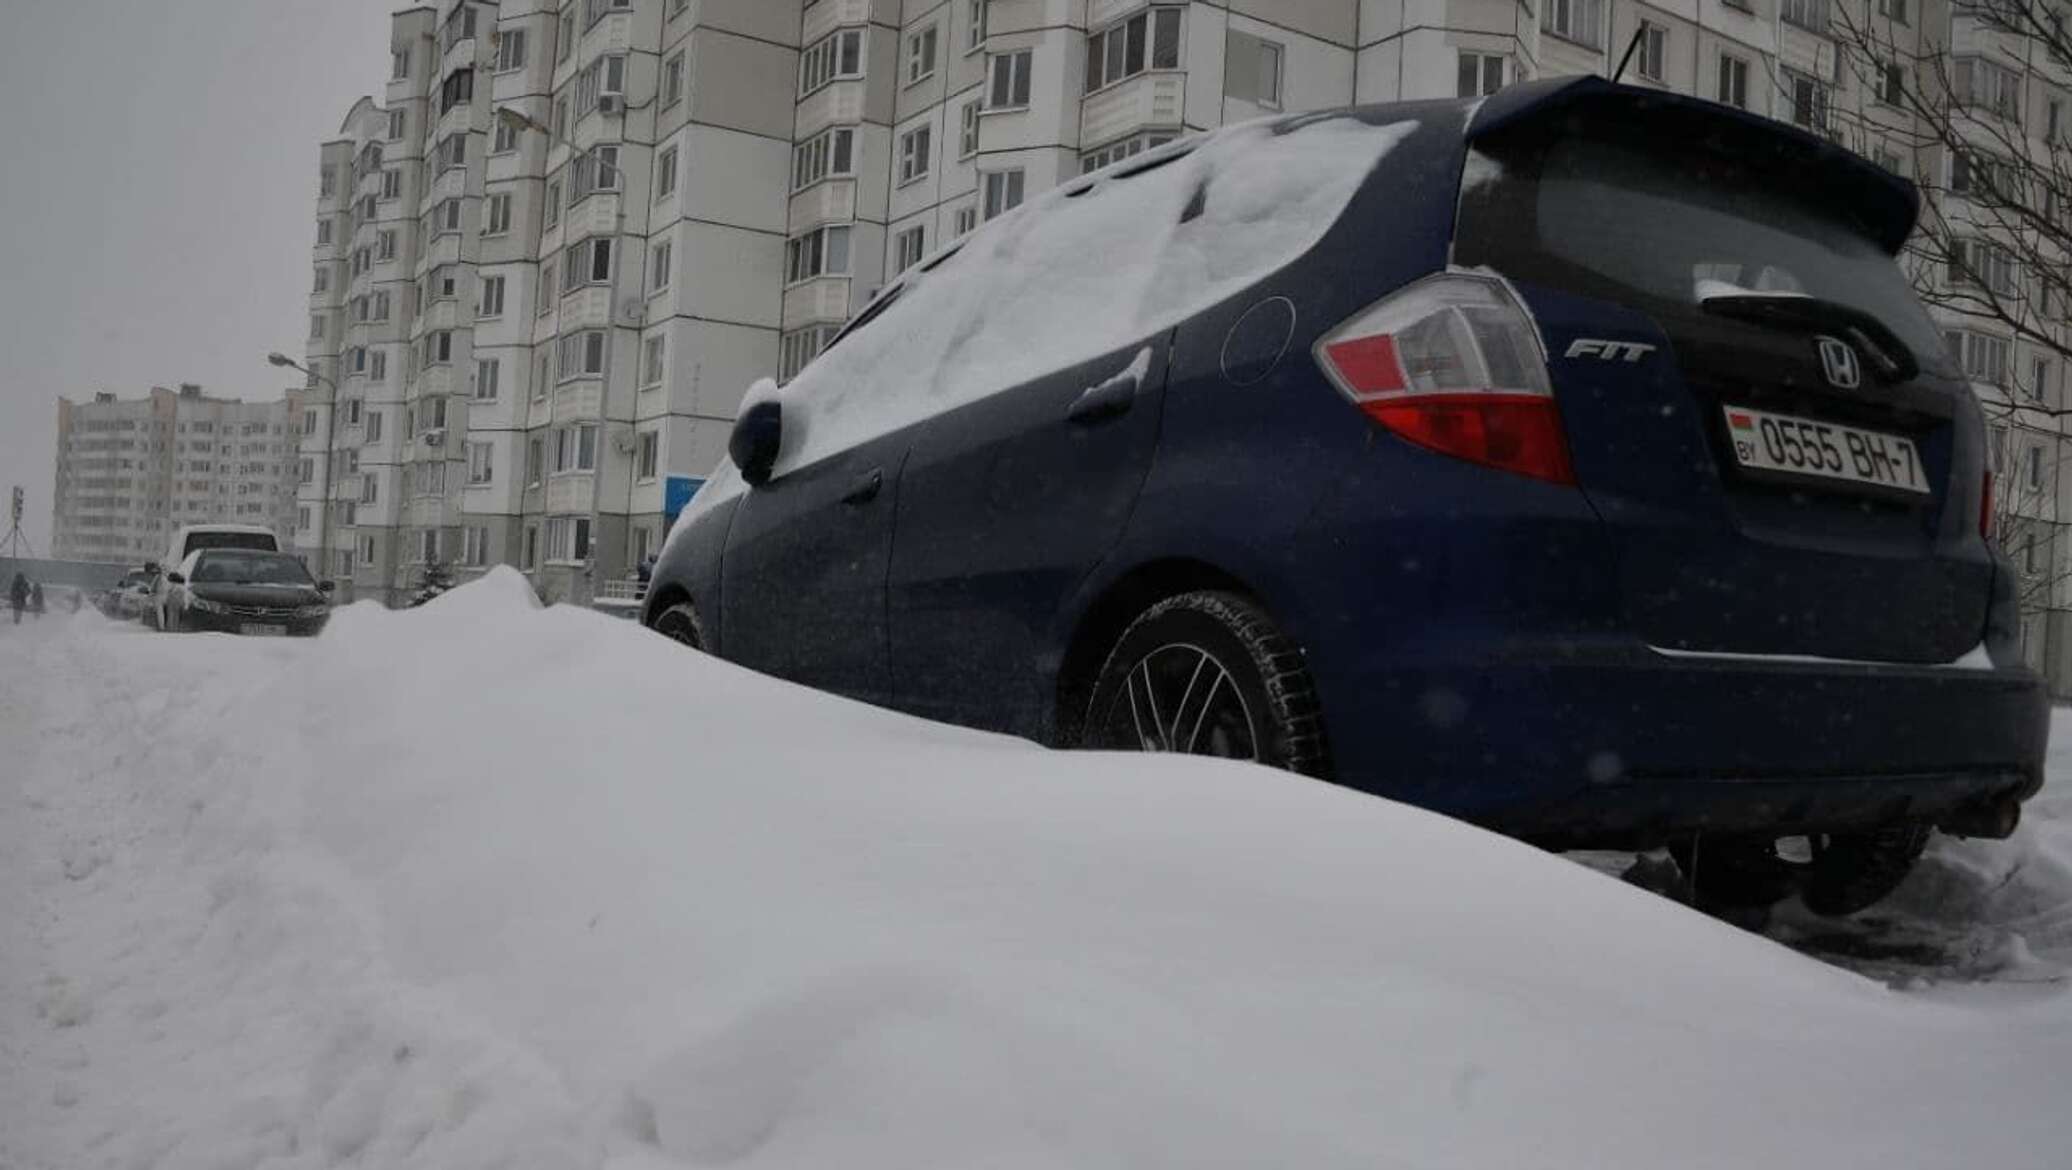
<point x="1109" y="612"/>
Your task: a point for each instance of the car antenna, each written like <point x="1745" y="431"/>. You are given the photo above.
<point x="1627" y="56"/>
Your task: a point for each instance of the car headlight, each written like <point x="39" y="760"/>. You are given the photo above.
<point x="206" y="606"/>
<point x="311" y="611"/>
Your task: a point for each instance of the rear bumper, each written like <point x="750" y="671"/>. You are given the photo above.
<point x="1622" y="745"/>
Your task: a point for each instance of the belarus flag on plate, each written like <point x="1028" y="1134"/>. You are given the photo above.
<point x="1740" y="422"/>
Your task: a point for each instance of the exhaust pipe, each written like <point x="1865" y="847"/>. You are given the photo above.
<point x="1993" y="819"/>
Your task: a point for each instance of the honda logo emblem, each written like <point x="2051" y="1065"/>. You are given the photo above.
<point x="1838" y="362"/>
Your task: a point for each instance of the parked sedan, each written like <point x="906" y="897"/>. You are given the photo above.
<point x="246" y="591"/>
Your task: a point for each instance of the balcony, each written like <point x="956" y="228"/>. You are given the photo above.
<point x="829" y="15"/>
<point x="836" y="103"/>
<point x="1138" y="103"/>
<point x="828" y="201"/>
<point x="824" y="298"/>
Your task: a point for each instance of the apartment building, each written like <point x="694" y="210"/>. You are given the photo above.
<point x="131" y="471"/>
<point x="539" y="323"/>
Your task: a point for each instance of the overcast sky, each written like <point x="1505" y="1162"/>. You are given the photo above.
<point x="158" y="170"/>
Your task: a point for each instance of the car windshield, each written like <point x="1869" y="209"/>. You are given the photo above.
<point x="249" y="568"/>
<point x="197" y="541"/>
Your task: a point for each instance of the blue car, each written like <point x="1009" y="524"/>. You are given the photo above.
<point x="1576" y="462"/>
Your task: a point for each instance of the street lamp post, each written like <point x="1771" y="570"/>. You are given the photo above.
<point x="330" y="476"/>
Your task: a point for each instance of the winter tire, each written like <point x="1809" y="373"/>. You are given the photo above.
<point x="679" y="623"/>
<point x="1208" y="673"/>
<point x="1848" y="872"/>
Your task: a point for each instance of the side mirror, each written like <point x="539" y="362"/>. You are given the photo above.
<point x="758" y="434"/>
<point x="176" y="579"/>
<point x="326" y="586"/>
<point x="151" y="566"/>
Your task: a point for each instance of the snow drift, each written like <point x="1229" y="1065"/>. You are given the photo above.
<point x="482" y="884"/>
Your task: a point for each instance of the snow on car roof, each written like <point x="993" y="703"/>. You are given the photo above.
<point x="1086" y="269"/>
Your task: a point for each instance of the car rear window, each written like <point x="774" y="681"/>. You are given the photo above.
<point x="1661" y="225"/>
<point x="249" y="568"/>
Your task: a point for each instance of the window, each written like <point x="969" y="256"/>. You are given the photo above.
<point x="478" y="463"/>
<point x="446" y="282"/>
<point x="834" y="57"/>
<point x="1983" y="85"/>
<point x="820" y="252"/>
<point x="646" y="448"/>
<point x="907" y="248"/>
<point x="1888" y="159"/>
<point x="543" y="299"/>
<point x="665" y="174"/>
<point x="385" y="245"/>
<point x="913" y="153"/>
<point x="1808" y="100"/>
<point x="2035" y="472"/>
<point x="967" y="134"/>
<point x="309" y="425"/>
<point x="582" y="354"/>
<point x="1983" y="263"/>
<point x="1480" y="74"/>
<point x="1009" y="86"/>
<point x="327" y="182"/>
<point x="565" y="43"/>
<point x="1891" y="83"/>
<point x="499" y="215"/>
<point x="492" y="301"/>
<point x="2054" y="121"/>
<point x="1893" y="10"/>
<point x="307" y="471"/>
<point x="1252" y="69"/>
<point x="1654" y="49"/>
<point x="1003" y="192"/>
<point x="659" y="259"/>
<point x="975" y="25"/>
<point x="532" y="546"/>
<point x="370" y="493"/>
<point x="438" y="347"/>
<point x="374" y="423"/>
<point x="453" y="150"/>
<point x="606" y="75"/>
<point x="1733" y="81"/>
<point x="510" y="49"/>
<point x="504" y="138"/>
<point x="474" y="545"/>
<point x="323" y="281"/>
<point x="1581" y="21"/>
<point x="457" y="89"/>
<point x="552" y="211"/>
<point x="575" y="448"/>
<point x="2039" y="380"/>
<point x="561" y="117"/>
<point x="488" y="373"/>
<point x="392" y="183"/>
<point x="652" y="360"/>
<point x="1119" y="51"/>
<point x="302" y="517"/>
<point x="920" y="55"/>
<point x="399" y="64"/>
<point x="799" y="348"/>
<point x="596" y="170"/>
<point x="1977" y="174"/>
<point x="535" y="460"/>
<point x="827" y="154"/>
<point x="446" y="216"/>
<point x="1807" y="14"/>
<point x="398" y="125"/>
<point x="1983" y="357"/>
<point x="1115" y="152"/>
<point x="316" y="327"/>
<point x="323" y="231"/>
<point x="964" y="220"/>
<point x="568" y="538"/>
<point x="587" y="262"/>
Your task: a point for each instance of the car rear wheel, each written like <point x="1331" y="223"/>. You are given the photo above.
<point x="1209" y="673"/>
<point x="679" y="623"/>
<point x="1835" y="874"/>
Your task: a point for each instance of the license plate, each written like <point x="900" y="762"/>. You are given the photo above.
<point x="1804" y="446"/>
<point x="256" y="628"/>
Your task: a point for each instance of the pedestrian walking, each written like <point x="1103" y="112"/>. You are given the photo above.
<point x="36" y="599"/>
<point x="18" y="596"/>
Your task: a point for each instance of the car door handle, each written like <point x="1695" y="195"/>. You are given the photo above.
<point x="1105" y="401"/>
<point x="866" y="487"/>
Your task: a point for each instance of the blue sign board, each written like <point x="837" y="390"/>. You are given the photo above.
<point x="677" y="491"/>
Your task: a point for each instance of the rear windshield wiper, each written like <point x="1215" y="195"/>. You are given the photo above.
<point x="1887" y="353"/>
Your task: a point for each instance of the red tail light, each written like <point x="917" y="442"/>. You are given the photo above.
<point x="1985" y="506"/>
<point x="1453" y="363"/>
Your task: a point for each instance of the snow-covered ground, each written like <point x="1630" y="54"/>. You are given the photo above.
<point x="482" y="885"/>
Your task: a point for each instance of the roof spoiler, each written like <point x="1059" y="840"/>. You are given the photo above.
<point x="1887" y="204"/>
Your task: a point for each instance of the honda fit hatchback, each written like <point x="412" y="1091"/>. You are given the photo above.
<point x="1576" y="462"/>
